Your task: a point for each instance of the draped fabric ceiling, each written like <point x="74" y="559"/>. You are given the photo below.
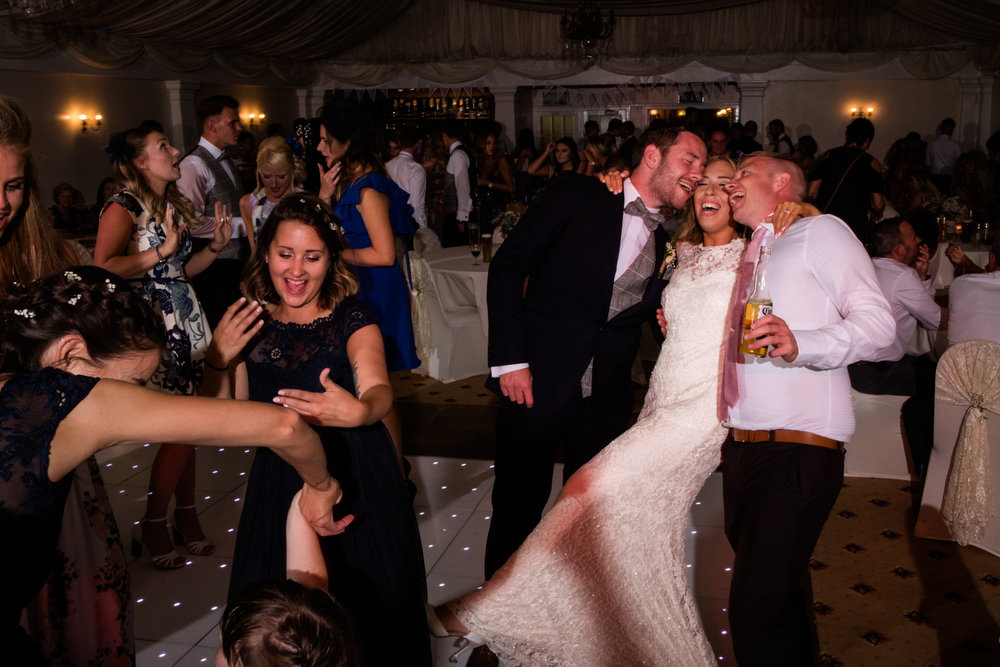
<point x="365" y="44"/>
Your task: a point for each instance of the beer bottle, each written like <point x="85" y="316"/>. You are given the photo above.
<point x="759" y="302"/>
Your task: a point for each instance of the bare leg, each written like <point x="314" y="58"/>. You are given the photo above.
<point x="172" y="473"/>
<point x="394" y="425"/>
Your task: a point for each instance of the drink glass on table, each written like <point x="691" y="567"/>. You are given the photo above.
<point x="486" y="240"/>
<point x="475" y="242"/>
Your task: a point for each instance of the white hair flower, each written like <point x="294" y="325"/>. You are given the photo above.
<point x="111" y="286"/>
<point x="25" y="313"/>
<point x="74" y="300"/>
<point x="71" y="276"/>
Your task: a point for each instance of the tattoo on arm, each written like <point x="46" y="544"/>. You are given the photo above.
<point x="357" y="387"/>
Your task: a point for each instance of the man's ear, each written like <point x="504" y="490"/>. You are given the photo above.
<point x="651" y="156"/>
<point x="781" y="181"/>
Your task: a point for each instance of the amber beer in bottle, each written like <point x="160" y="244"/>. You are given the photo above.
<point x="759" y="302"/>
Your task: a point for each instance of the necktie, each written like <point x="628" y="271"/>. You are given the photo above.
<point x="730" y="374"/>
<point x="637" y="207"/>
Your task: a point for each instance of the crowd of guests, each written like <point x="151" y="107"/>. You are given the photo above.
<point x="270" y="274"/>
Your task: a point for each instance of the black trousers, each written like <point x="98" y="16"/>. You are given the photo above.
<point x="218" y="286"/>
<point x="525" y="456"/>
<point x="777" y="496"/>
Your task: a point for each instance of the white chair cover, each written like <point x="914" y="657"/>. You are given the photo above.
<point x="967" y="375"/>
<point x="421" y="289"/>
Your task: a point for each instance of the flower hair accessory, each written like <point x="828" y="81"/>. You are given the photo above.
<point x="119" y="149"/>
<point x="25" y="313"/>
<point x="110" y="285"/>
<point x="71" y="276"/>
<point x="73" y="300"/>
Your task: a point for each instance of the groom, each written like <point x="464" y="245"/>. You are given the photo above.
<point x="790" y="413"/>
<point x="568" y="291"/>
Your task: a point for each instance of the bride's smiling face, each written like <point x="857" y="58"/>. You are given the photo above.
<point x="711" y="201"/>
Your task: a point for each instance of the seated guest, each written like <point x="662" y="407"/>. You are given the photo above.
<point x="974" y="304"/>
<point x="901" y="260"/>
<point x="66" y="215"/>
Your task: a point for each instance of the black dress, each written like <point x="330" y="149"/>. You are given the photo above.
<point x="376" y="567"/>
<point x="31" y="507"/>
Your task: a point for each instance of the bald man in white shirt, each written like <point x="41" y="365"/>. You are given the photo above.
<point x="783" y="461"/>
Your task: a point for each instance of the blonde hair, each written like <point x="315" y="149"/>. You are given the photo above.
<point x="29" y="247"/>
<point x="125" y="148"/>
<point x="276" y="152"/>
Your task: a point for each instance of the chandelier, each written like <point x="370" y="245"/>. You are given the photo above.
<point x="585" y="33"/>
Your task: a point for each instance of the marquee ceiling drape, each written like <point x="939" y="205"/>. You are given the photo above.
<point x="455" y="41"/>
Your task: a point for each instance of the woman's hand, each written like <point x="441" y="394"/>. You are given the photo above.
<point x="173" y="232"/>
<point x="236" y="328"/>
<point x="661" y="319"/>
<point x="328" y="179"/>
<point x="335" y="406"/>
<point x="317" y="505"/>
<point x="613" y="179"/>
<point x="788" y="212"/>
<point x="223" y="229"/>
<point x="549" y="147"/>
<point x="956" y="254"/>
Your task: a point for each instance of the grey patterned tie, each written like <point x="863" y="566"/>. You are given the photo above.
<point x="637" y="207"/>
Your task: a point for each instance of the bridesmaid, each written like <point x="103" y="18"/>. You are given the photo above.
<point x="142" y="236"/>
<point x="372" y="210"/>
<point x="279" y="173"/>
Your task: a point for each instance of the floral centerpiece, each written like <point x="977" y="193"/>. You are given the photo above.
<point x="505" y="221"/>
<point x="949" y="207"/>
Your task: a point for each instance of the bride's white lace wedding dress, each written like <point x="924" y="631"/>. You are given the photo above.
<point x="602" y="579"/>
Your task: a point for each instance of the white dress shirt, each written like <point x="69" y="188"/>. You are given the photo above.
<point x="458" y="167"/>
<point x="823" y="285"/>
<point x="412" y="178"/>
<point x="941" y="155"/>
<point x="634" y="237"/>
<point x="196" y="180"/>
<point x="911" y="300"/>
<point x="974" y="308"/>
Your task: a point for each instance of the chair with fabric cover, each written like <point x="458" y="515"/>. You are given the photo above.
<point x="958" y="502"/>
<point x="877" y="448"/>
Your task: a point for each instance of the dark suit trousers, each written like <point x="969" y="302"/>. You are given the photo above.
<point x="777" y="497"/>
<point x="525" y="456"/>
<point x="218" y="286"/>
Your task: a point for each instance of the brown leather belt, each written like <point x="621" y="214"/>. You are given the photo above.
<point x="785" y="435"/>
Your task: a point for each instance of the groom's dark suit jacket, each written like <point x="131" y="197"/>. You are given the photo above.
<point x="566" y="246"/>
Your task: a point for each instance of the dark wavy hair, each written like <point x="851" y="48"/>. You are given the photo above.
<point x="86" y="300"/>
<point x="285" y="624"/>
<point x="342" y="120"/>
<point x="314" y="212"/>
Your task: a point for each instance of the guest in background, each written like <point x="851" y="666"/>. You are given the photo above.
<point x="73" y="348"/>
<point x="372" y="210"/>
<point x="459" y="178"/>
<point x="243" y="159"/>
<point x="591" y="129"/>
<point x="974" y="303"/>
<point x="435" y="163"/>
<point x="105" y="190"/>
<point x="627" y="148"/>
<point x="495" y="184"/>
<point x="318" y="351"/>
<point x="848" y="181"/>
<point x="907" y="152"/>
<point x="408" y="174"/>
<point x="718" y="140"/>
<point x="920" y="189"/>
<point x="598" y="154"/>
<point x="967" y="184"/>
<point x="207" y="177"/>
<point x="941" y="155"/>
<point x="558" y="157"/>
<point x="804" y="155"/>
<point x="67" y="214"/>
<point x="279" y="173"/>
<point x="780" y="142"/>
<point x="746" y="143"/>
<point x="143" y="237"/>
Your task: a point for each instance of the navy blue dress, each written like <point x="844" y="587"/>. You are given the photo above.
<point x="383" y="288"/>
<point x="376" y="567"/>
<point x="31" y="507"/>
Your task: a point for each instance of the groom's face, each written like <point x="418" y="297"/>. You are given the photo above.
<point x="674" y="178"/>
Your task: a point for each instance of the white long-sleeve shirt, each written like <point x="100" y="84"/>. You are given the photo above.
<point x="412" y="178"/>
<point x="458" y="167"/>
<point x="911" y="300"/>
<point x="823" y="285"/>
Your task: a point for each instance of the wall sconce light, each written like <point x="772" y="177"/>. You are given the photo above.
<point x="862" y="112"/>
<point x="256" y="119"/>
<point x="95" y="124"/>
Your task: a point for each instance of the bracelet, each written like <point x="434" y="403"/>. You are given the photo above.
<point x="327" y="482"/>
<point x="213" y="250"/>
<point x="215" y="368"/>
<point x="159" y="257"/>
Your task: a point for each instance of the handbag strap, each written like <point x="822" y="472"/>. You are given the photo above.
<point x="841" y="181"/>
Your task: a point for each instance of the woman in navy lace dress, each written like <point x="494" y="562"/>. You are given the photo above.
<point x="74" y="348"/>
<point x="316" y="349"/>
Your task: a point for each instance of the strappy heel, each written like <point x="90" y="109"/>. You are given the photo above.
<point x="463" y="642"/>
<point x="202" y="547"/>
<point x="171" y="560"/>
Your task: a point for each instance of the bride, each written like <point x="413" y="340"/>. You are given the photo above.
<point x="602" y="579"/>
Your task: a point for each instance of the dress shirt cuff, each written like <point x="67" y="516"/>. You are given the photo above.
<point x="812" y="349"/>
<point x="497" y="371"/>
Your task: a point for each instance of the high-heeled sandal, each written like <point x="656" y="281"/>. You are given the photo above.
<point x="171" y="560"/>
<point x="463" y="642"/>
<point x="202" y="547"/>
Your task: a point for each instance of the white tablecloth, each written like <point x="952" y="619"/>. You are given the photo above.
<point x="460" y="284"/>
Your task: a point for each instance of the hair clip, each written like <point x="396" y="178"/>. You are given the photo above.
<point x="319" y="208"/>
<point x="111" y="286"/>
<point x="25" y="313"/>
<point x="302" y="200"/>
<point x="71" y="276"/>
<point x="74" y="300"/>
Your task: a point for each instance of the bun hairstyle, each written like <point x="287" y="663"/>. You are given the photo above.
<point x="86" y="300"/>
<point x="311" y="211"/>
<point x="285" y="624"/>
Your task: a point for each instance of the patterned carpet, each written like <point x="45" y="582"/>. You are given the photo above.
<point x="882" y="596"/>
